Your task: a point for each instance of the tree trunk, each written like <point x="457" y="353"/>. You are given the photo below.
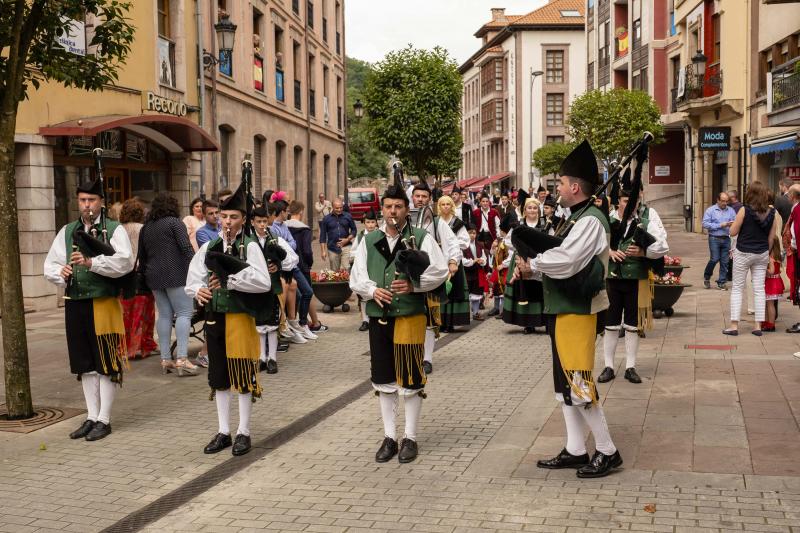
<point x="15" y="342"/>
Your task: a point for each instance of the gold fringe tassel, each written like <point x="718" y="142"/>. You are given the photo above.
<point x="242" y="349"/>
<point x="645" y="303"/>
<point x="109" y="328"/>
<point x="585" y="378"/>
<point x="409" y="348"/>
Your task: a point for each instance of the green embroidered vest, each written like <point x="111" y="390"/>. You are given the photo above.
<point x="632" y="267"/>
<point x="381" y="271"/>
<point x="86" y="285"/>
<point x="231" y="301"/>
<point x="558" y="299"/>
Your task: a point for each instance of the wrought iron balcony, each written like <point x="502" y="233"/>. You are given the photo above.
<point x="786" y="85"/>
<point x="673" y="108"/>
<point x="698" y="86"/>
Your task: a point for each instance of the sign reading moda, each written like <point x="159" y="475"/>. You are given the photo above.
<point x="716" y="138"/>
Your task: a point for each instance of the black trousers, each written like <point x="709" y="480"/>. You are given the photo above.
<point x="623" y="299"/>
<point x="383" y="364"/>
<point x="82" y="345"/>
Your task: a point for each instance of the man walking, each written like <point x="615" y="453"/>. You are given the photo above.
<point x="336" y="232"/>
<point x="718" y="220"/>
<point x="783" y="203"/>
<point x="322" y="207"/>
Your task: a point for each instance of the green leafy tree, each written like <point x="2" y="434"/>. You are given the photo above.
<point x="364" y="159"/>
<point x="413" y="100"/>
<point x="549" y="157"/>
<point x="30" y="56"/>
<point x="612" y="121"/>
<point x="449" y="161"/>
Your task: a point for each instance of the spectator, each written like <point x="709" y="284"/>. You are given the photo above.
<point x="279" y="227"/>
<point x="754" y="227"/>
<point x="504" y="207"/>
<point x="165" y="253"/>
<point x="541" y="194"/>
<point x="322" y="207"/>
<point x="783" y="204"/>
<point x="194" y="221"/>
<point x="114" y="211"/>
<point x="138" y="312"/>
<point x="305" y="251"/>
<point x="718" y="220"/>
<point x="224" y="194"/>
<point x="790" y="230"/>
<point x="733" y="200"/>
<point x="336" y="232"/>
<point x="210" y="231"/>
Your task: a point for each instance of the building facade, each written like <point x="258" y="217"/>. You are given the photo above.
<point x="280" y="98"/>
<point x="629" y="45"/>
<point x="507" y="111"/>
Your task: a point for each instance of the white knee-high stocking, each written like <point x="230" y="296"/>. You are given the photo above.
<point x="223" y="398"/>
<point x="389" y="413"/>
<point x="245" y="410"/>
<point x="610" y="340"/>
<point x="430" y="339"/>
<point x="596" y="421"/>
<point x="91" y="393"/>
<point x="413" y="408"/>
<point x="272" y="348"/>
<point x="262" y="338"/>
<point x="631" y="347"/>
<point x="576" y="429"/>
<point x="108" y="390"/>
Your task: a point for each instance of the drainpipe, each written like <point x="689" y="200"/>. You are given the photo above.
<point x="215" y="162"/>
<point x="201" y="83"/>
<point x="311" y="179"/>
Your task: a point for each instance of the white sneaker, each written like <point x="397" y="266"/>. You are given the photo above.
<point x="297" y="337"/>
<point x="307" y="333"/>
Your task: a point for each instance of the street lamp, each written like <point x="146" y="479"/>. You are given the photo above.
<point x="534" y="74"/>
<point x="699" y="61"/>
<point x="358" y="108"/>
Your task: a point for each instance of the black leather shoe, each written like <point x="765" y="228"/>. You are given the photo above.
<point x="564" y="460"/>
<point x="606" y="375"/>
<point x="84" y="430"/>
<point x="387" y="450"/>
<point x="408" y="451"/>
<point x="794" y="329"/>
<point x="600" y="465"/>
<point x="99" y="431"/>
<point x="364" y="326"/>
<point x="262" y="366"/>
<point x="632" y="376"/>
<point x="218" y="443"/>
<point x="283" y="347"/>
<point x="272" y="366"/>
<point x="242" y="445"/>
<point x="427" y="366"/>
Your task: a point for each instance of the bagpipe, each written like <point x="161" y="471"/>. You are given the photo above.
<point x="409" y="263"/>
<point x="530" y="242"/>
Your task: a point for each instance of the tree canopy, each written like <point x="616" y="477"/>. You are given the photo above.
<point x="413" y="100"/>
<point x="612" y="121"/>
<point x="364" y="159"/>
<point x="549" y="157"/>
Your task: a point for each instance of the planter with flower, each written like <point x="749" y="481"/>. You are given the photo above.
<point x="668" y="288"/>
<point x="674" y="265"/>
<point x="332" y="288"/>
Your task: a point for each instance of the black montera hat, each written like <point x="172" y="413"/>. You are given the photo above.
<point x="94" y="186"/>
<point x="394" y="192"/>
<point x="236" y="202"/>
<point x="370" y="215"/>
<point x="421" y="185"/>
<point x="581" y="163"/>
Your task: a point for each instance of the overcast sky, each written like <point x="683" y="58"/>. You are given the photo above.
<point x="375" y="27"/>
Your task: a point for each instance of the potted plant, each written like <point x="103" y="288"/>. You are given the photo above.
<point x="666" y="292"/>
<point x="332" y="288"/>
<point x="673" y="264"/>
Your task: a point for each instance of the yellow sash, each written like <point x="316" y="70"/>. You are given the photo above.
<point x="242" y="349"/>
<point x="575" y="338"/>
<point x="109" y="328"/>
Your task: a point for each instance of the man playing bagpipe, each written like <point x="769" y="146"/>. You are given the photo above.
<point x="229" y="275"/>
<point x="88" y="258"/>
<point x="280" y="258"/>
<point x="451" y="246"/>
<point x="637" y="246"/>
<point x="573" y="272"/>
<point x="393" y="270"/>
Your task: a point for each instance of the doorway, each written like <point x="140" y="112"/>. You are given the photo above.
<point x="116" y="185"/>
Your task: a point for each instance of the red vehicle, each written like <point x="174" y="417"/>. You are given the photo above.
<point x="361" y="200"/>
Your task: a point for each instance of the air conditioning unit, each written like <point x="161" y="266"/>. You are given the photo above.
<point x="325" y="114"/>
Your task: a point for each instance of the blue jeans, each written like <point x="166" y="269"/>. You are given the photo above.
<point x="719" y="249"/>
<point x="173" y="302"/>
<point x="306" y="293"/>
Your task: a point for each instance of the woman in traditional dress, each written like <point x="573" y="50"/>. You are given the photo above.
<point x="522" y="305"/>
<point x="456" y="312"/>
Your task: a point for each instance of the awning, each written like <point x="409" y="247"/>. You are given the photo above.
<point x="174" y="134"/>
<point x="774" y="144"/>
<point x="479" y="185"/>
<point x="462" y="184"/>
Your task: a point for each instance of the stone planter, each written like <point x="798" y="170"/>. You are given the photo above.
<point x="665" y="297"/>
<point x="333" y="294"/>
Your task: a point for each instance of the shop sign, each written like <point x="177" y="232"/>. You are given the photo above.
<point x="714" y="138"/>
<point x="154" y="102"/>
<point x="792" y="172"/>
<point x="73" y="40"/>
<point x="662" y="170"/>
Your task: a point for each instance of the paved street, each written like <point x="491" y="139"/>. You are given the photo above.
<point x="709" y="439"/>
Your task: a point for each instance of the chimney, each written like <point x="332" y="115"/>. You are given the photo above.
<point x="499" y="13"/>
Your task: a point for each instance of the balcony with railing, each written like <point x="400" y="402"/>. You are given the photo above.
<point x="698" y="90"/>
<point x="785" y="94"/>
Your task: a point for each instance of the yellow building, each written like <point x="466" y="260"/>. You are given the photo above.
<point x="147" y="124"/>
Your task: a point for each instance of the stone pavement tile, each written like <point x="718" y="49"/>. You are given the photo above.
<point x="752" y="368"/>
<point x="670" y="404"/>
<point x="772" y="425"/>
<point x="753" y="409"/>
<point x="719" y="459"/>
<point x="668" y="422"/>
<point x="718" y="415"/>
<point x="710" y="435"/>
<point x="666" y="450"/>
<point x="774" y="454"/>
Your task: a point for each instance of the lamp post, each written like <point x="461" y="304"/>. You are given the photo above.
<point x="534" y="74"/>
<point x="358" y="108"/>
<point x="226" y="32"/>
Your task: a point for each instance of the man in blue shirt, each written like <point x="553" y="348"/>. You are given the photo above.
<point x="211" y="230"/>
<point x="336" y="232"/>
<point x="279" y="226"/>
<point x="718" y="220"/>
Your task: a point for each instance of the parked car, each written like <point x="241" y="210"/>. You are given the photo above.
<point x="361" y="200"/>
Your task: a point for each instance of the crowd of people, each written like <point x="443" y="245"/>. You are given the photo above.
<point x="754" y="243"/>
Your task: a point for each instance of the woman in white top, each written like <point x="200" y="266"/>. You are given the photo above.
<point x="195" y="221"/>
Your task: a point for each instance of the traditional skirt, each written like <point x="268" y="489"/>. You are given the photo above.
<point x="396" y="351"/>
<point x="528" y="315"/>
<point x="139" y="314"/>
<point x="477" y="284"/>
<point x="233" y="351"/>
<point x="456" y="311"/>
<point x="95" y="337"/>
<point x="572" y="338"/>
